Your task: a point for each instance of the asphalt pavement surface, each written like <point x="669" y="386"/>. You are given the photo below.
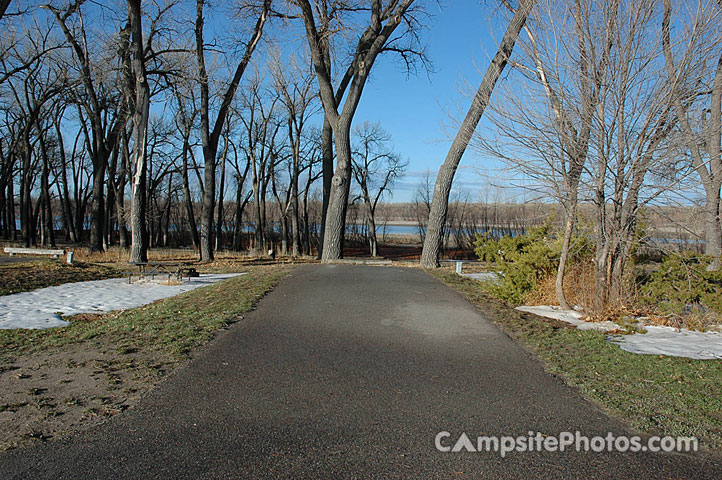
<point x="351" y="372"/>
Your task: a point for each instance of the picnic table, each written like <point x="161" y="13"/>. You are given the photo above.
<point x="172" y="269"/>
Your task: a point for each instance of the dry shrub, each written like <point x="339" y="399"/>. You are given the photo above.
<point x="701" y="321"/>
<point x="578" y="287"/>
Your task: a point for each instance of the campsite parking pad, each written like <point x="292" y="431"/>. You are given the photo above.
<point x="350" y="372"/>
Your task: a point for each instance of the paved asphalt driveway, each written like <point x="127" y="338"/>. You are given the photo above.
<point x="349" y="372"/>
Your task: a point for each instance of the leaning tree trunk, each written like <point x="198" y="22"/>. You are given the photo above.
<point x="445" y="177"/>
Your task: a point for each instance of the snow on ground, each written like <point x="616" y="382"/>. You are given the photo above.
<point x="42" y="308"/>
<point x="657" y="341"/>
<point x="569" y="316"/>
<point x="672" y="341"/>
<point x="482" y="276"/>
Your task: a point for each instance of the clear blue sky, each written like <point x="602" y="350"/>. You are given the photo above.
<point x="416" y="109"/>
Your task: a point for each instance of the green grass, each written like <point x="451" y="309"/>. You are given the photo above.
<point x="655" y="394"/>
<point x="173" y="326"/>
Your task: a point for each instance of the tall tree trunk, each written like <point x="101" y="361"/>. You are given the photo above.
<point x="124" y="234"/>
<point x="168" y="203"/>
<point x="338" y="197"/>
<point x="306" y="225"/>
<point x="72" y="233"/>
<point x="3" y="212"/>
<point x="445" y="177"/>
<point x="221" y="193"/>
<point x="97" y="209"/>
<point x="207" y="208"/>
<point x="139" y="232"/>
<point x="373" y="244"/>
<point x="569" y="221"/>
<point x="260" y="227"/>
<point x="12" y="222"/>
<point x="284" y="234"/>
<point x="188" y="200"/>
<point x="48" y="237"/>
<point x="26" y="204"/>
<point x="111" y="203"/>
<point x="295" y="231"/>
<point x="238" y="222"/>
<point x="327" y="174"/>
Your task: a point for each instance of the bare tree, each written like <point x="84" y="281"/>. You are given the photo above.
<point x="260" y="130"/>
<point x="105" y="121"/>
<point x="377" y="37"/>
<point x="550" y="120"/>
<point x="375" y="167"/>
<point x="294" y="86"/>
<point x="694" y="80"/>
<point x="210" y="137"/>
<point x="632" y="124"/>
<point x="445" y="177"/>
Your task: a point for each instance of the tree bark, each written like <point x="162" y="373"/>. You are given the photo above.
<point x="327" y="173"/>
<point x="139" y="232"/>
<point x="48" y="234"/>
<point x="4" y="4"/>
<point x="221" y="193"/>
<point x="445" y="177"/>
<point x="13" y="233"/>
<point x="569" y="221"/>
<point x="335" y="226"/>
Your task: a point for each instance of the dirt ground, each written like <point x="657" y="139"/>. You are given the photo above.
<point x="72" y="388"/>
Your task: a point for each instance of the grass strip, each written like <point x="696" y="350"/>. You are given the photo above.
<point x="655" y="394"/>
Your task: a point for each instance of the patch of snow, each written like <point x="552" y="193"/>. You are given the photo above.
<point x="484" y="276"/>
<point x="570" y="316"/>
<point x="42" y="308"/>
<point x="673" y="342"/>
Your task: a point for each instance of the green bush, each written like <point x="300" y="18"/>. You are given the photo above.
<point x="683" y="283"/>
<point x="525" y="260"/>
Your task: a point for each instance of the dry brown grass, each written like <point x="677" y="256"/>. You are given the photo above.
<point x="578" y="287"/>
<point x="225" y="261"/>
<point x="579" y="290"/>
